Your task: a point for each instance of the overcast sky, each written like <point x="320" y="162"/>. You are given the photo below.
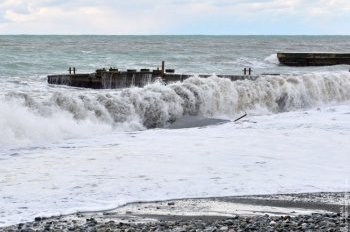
<point x="175" y="17"/>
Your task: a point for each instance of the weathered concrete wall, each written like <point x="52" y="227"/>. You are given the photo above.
<point x="76" y="80"/>
<point x="114" y="79"/>
<point x="313" y="59"/>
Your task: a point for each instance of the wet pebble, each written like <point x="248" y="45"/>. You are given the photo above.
<point x="316" y="222"/>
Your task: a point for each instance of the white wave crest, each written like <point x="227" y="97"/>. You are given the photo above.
<point x="63" y="115"/>
<point x="272" y="59"/>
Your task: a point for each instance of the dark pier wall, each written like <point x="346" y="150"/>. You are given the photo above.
<point x="313" y="59"/>
<point x="76" y="80"/>
<point x="114" y="79"/>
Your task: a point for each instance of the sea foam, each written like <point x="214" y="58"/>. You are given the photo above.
<point x="272" y="59"/>
<point x="64" y="114"/>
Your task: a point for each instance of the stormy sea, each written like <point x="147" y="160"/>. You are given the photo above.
<point x="65" y="149"/>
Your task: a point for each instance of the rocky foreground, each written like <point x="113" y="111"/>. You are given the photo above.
<point x="292" y="212"/>
<point x="314" y="222"/>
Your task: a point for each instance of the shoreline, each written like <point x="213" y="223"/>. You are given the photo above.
<point x="285" y="212"/>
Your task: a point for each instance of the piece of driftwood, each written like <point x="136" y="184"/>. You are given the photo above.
<point x="237" y="119"/>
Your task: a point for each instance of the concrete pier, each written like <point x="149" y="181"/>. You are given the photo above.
<point x="76" y="80"/>
<point x="313" y="59"/>
<point x="114" y="79"/>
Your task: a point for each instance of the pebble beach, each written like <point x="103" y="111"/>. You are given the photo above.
<point x="287" y="212"/>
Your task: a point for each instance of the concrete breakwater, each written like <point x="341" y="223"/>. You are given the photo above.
<point x="313" y="59"/>
<point x="114" y="78"/>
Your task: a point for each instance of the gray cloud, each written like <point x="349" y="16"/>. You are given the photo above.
<point x="173" y="16"/>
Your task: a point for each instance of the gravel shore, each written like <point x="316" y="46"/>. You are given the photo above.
<point x="290" y="212"/>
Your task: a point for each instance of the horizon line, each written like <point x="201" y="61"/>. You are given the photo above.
<point x="87" y="34"/>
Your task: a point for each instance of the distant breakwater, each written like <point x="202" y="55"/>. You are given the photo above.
<point x="114" y="78"/>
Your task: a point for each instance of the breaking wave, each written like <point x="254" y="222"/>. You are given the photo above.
<point x="70" y="114"/>
<point x="272" y="59"/>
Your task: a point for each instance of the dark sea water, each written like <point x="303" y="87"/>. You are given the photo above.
<point x="26" y="55"/>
